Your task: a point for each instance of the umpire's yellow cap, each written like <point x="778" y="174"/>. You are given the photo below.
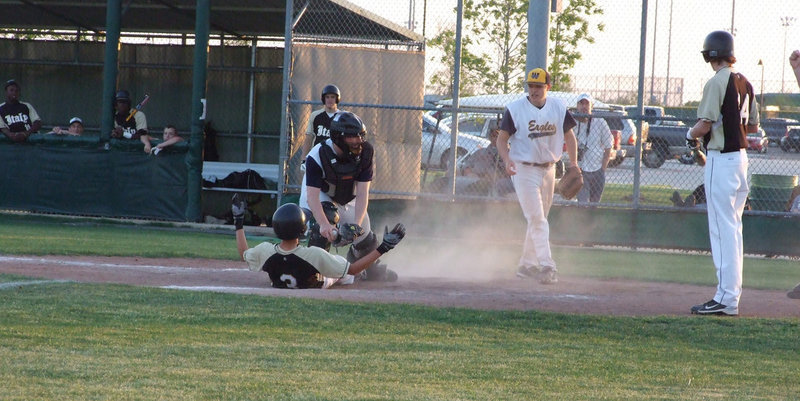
<point x="538" y="76"/>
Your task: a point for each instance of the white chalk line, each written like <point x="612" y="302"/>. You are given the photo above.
<point x="95" y="265"/>
<point x="182" y="269"/>
<point x="410" y="294"/>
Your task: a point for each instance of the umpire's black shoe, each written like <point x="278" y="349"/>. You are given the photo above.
<point x="713" y="307"/>
<point x="527" y="272"/>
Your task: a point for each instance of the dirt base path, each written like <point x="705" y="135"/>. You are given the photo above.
<point x="569" y="295"/>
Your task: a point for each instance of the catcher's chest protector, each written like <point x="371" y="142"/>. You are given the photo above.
<point x="340" y="174"/>
<point x="291" y="271"/>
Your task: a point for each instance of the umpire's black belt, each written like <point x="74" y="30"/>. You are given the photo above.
<point x="543" y="165"/>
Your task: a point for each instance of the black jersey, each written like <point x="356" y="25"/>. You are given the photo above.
<point x="319" y="125"/>
<point x="17" y="117"/>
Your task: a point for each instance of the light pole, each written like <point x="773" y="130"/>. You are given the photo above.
<point x="786" y="22"/>
<point x="653" y="67"/>
<point x="669" y="52"/>
<point x="761" y="102"/>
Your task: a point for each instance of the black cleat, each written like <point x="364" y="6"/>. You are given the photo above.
<point x="713" y="307"/>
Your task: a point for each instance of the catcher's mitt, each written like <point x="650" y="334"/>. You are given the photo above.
<point x="570" y="184"/>
<point x="347" y="233"/>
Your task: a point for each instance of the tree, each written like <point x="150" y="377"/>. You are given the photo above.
<point x="571" y="28"/>
<point x="474" y="70"/>
<point x="503" y="25"/>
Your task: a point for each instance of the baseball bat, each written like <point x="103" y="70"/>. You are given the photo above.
<point x="138" y="107"/>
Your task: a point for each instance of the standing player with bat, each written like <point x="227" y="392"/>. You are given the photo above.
<point x="130" y="123"/>
<point x="726" y="113"/>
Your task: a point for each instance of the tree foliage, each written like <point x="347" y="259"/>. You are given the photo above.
<point x="502" y="27"/>
<point x="569" y="30"/>
<point x="474" y="69"/>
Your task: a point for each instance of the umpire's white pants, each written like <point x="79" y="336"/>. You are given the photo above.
<point x="726" y="193"/>
<point x="534" y="187"/>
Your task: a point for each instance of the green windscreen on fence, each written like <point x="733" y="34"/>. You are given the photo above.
<point x="80" y="175"/>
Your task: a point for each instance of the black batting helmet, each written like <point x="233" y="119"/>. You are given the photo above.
<point x="331" y="89"/>
<point x="289" y="222"/>
<point x="718" y="44"/>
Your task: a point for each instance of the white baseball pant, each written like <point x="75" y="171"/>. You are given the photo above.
<point x="726" y="193"/>
<point x="534" y="187"/>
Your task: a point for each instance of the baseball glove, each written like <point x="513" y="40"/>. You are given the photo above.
<point x="346" y="234"/>
<point x="570" y="184"/>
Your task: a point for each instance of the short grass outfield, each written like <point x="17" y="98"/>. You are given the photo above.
<point x="63" y="340"/>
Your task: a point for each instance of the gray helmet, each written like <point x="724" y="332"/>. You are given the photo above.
<point x="330" y="89"/>
<point x="289" y="222"/>
<point x="718" y="44"/>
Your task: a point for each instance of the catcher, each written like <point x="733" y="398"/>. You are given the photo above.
<point x="291" y="265"/>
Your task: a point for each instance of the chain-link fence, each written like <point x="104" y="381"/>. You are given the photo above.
<point x="398" y="73"/>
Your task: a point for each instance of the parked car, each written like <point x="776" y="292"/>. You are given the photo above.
<point x="792" y="139"/>
<point x="436" y="143"/>
<point x="758" y="141"/>
<point x="777" y="128"/>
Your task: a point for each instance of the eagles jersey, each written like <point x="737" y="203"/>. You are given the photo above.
<point x="537" y="134"/>
<point x="301" y="267"/>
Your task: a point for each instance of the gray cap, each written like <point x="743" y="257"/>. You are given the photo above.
<point x="75" y="120"/>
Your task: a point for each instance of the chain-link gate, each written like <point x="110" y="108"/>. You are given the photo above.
<point x="398" y="75"/>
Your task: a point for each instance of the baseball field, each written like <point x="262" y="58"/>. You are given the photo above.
<point x="96" y="309"/>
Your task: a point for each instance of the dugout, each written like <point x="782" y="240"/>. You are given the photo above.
<point x="228" y="101"/>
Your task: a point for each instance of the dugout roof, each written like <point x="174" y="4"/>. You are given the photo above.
<point x="241" y="18"/>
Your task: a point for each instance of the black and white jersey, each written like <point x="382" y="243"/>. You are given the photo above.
<point x="17" y="117"/>
<point x="301" y="267"/>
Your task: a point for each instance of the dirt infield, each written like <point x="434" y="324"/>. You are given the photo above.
<point x="500" y="292"/>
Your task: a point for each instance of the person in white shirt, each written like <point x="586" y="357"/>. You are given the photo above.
<point x="594" y="150"/>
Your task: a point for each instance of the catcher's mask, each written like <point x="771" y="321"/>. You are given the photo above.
<point x="289" y="222"/>
<point x="348" y="125"/>
<point x="718" y="44"/>
<point x="330" y="90"/>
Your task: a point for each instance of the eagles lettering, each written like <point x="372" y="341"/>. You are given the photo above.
<point x="540" y="130"/>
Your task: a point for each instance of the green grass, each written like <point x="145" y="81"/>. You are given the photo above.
<point x="83" y="341"/>
<point x="93" y="341"/>
<point x="42" y="235"/>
